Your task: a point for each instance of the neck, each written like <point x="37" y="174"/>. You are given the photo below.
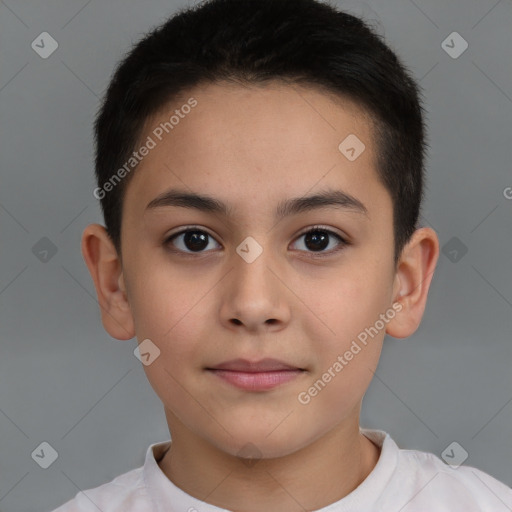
<point x="309" y="479"/>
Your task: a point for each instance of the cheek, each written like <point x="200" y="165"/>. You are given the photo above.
<point x="160" y="298"/>
<point x="349" y="307"/>
<point x="352" y="299"/>
<point x="173" y="328"/>
<point x="177" y="317"/>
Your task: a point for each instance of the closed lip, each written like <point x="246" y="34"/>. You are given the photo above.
<point x="264" y="365"/>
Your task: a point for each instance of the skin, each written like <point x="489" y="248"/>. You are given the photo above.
<point x="253" y="147"/>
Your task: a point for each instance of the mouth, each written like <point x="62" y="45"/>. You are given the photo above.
<point x="256" y="375"/>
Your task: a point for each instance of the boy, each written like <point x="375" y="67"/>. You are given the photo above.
<point x="260" y="171"/>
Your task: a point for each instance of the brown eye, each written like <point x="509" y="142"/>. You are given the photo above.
<point x="190" y="240"/>
<point x="317" y="239"/>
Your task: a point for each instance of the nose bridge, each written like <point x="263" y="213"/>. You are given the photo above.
<point x="254" y="293"/>
<point x="251" y="261"/>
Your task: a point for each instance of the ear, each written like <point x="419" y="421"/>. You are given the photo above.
<point x="414" y="273"/>
<point x="105" y="268"/>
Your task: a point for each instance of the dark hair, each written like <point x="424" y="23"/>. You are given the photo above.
<point x="303" y="42"/>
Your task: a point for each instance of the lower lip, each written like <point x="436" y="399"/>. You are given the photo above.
<point x="257" y="381"/>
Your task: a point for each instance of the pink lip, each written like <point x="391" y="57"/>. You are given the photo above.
<point x="257" y="381"/>
<point x="256" y="376"/>
<point x="243" y="365"/>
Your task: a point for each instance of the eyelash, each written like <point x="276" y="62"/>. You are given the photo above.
<point x="322" y="254"/>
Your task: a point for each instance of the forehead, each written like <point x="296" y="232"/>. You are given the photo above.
<point x="256" y="144"/>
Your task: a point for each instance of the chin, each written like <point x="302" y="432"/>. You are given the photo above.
<point x="260" y="445"/>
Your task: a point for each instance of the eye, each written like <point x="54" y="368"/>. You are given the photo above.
<point x="191" y="240"/>
<point x="318" y="238"/>
<point x="195" y="241"/>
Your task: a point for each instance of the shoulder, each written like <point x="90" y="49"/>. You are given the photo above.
<point x="123" y="493"/>
<point x="430" y="481"/>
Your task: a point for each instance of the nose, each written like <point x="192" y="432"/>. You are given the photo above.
<point x="255" y="297"/>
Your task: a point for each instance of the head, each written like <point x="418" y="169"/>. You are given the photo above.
<point x="250" y="105"/>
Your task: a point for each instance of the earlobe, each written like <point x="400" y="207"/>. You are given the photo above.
<point x="105" y="268"/>
<point x="413" y="277"/>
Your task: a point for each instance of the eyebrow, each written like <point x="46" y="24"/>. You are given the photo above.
<point x="328" y="198"/>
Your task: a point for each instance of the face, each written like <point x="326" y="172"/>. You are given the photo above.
<point x="208" y="286"/>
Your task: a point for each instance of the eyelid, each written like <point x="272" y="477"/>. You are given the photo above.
<point x="186" y="228"/>
<point x="320" y="227"/>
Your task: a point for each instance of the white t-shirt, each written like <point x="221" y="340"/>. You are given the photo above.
<point x="402" y="480"/>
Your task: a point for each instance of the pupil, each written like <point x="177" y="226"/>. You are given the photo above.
<point x="315" y="239"/>
<point x="195" y="240"/>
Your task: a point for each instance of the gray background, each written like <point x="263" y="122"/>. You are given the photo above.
<point x="63" y="380"/>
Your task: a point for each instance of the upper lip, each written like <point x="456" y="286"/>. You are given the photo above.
<point x="264" y="365"/>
